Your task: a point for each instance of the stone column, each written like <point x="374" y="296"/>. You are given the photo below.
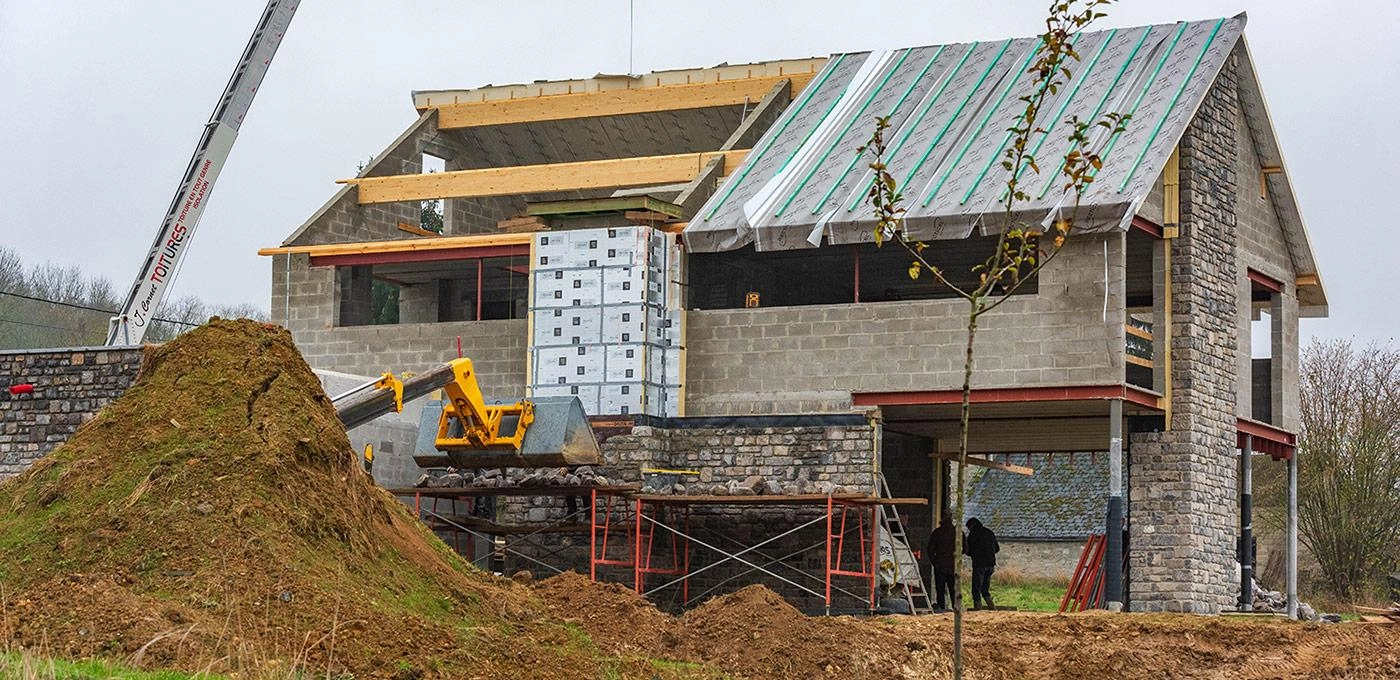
<point x="1183" y="540"/>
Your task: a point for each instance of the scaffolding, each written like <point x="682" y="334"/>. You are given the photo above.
<point x="625" y="526"/>
<point x="468" y="534"/>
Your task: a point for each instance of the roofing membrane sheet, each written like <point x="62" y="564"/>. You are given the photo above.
<point x="950" y="107"/>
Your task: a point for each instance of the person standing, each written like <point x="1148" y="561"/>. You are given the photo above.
<point x="941" y="559"/>
<point x="981" y="545"/>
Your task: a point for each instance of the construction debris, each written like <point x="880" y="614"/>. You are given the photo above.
<point x="492" y="478"/>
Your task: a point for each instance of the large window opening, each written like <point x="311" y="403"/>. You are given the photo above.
<point x="1140" y="288"/>
<point x="1265" y="346"/>
<point x="831" y="275"/>
<point x="432" y="214"/>
<point x="476" y="289"/>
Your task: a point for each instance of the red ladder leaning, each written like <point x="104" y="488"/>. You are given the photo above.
<point x="1086" y="585"/>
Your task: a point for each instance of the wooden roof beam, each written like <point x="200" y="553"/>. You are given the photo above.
<point x="540" y="179"/>
<point x="615" y="102"/>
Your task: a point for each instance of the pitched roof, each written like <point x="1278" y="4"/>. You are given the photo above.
<point x="1066" y="498"/>
<point x="949" y="107"/>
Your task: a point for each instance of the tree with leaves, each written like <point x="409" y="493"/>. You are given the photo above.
<point x="1022" y="250"/>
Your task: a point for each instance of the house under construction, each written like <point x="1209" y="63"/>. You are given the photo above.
<point x="690" y="253"/>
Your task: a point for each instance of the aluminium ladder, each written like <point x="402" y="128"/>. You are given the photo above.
<point x="915" y="592"/>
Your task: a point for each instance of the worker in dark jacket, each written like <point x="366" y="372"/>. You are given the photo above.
<point x="942" y="559"/>
<point x="981" y="546"/>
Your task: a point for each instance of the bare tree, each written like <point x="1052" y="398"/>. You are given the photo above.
<point x="1022" y="250"/>
<point x="1349" y="463"/>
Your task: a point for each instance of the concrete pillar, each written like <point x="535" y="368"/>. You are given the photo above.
<point x="418" y="303"/>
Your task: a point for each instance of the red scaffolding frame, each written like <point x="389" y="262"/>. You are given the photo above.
<point x="624" y="528"/>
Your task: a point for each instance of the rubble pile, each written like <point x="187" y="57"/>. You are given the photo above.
<point x="491" y="478"/>
<point x="753" y="485"/>
<point x="1274" y="601"/>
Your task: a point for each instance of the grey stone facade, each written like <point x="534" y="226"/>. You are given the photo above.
<point x="1183" y="480"/>
<point x="70" y="386"/>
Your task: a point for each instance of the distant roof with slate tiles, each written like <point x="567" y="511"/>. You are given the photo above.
<point x="1066" y="499"/>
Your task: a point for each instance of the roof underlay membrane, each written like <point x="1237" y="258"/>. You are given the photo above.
<point x="950" y="107"/>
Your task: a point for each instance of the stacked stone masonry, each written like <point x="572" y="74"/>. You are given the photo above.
<point x="1183" y="480"/>
<point x="70" y="386"/>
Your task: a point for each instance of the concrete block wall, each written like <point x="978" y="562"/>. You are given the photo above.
<point x="810" y="359"/>
<point x="70" y="386"/>
<point x="1183" y="480"/>
<point x="308" y="308"/>
<point x="343" y="220"/>
<point x="1264" y="248"/>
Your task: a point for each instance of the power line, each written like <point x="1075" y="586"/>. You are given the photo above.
<point x="41" y="325"/>
<point x="90" y="309"/>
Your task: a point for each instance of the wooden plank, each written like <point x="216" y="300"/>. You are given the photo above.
<point x="795" y="499"/>
<point x="528" y="224"/>
<point x="417" y="230"/>
<point x="1138" y="361"/>
<point x="983" y="462"/>
<point x="593" y="206"/>
<point x="1307" y="280"/>
<point x="647" y="217"/>
<point x="1134" y="330"/>
<point x="403" y="245"/>
<point x="539" y="179"/>
<point x="614" y="102"/>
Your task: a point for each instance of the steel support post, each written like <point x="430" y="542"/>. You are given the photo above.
<point x="1292" y="577"/>
<point x="1247" y="525"/>
<point x="1113" y="529"/>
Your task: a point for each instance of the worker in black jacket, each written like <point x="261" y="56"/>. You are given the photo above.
<point x="981" y="545"/>
<point x="940" y="551"/>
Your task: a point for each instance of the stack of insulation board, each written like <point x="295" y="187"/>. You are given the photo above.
<point x="605" y="319"/>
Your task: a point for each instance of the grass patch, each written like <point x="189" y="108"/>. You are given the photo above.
<point x="1023" y="593"/>
<point x="23" y="665"/>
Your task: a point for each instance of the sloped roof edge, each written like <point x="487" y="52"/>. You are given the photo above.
<point x="1312" y="299"/>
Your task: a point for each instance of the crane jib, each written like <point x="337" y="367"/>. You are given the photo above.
<point x="163" y="260"/>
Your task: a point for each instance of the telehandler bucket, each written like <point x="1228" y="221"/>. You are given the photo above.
<point x="559" y="436"/>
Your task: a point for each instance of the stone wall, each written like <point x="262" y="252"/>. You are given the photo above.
<point x="810" y="359"/>
<point x="1041" y="560"/>
<point x="70" y="386"/>
<point x="1183" y="480"/>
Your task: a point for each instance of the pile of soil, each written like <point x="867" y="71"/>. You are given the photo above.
<point x="615" y="617"/>
<point x="215" y="517"/>
<point x="756" y="633"/>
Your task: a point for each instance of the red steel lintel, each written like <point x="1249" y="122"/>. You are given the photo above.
<point x="1147" y="226"/>
<point x="1265" y="281"/>
<point x="399" y="257"/>
<point x="1009" y="395"/>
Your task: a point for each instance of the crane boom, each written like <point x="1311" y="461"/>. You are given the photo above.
<point x="173" y="238"/>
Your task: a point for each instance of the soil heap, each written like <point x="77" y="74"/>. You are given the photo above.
<point x="214" y="517"/>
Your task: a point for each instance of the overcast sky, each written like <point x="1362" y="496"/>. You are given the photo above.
<point x="101" y="104"/>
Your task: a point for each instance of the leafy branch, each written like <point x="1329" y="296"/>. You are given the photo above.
<point x="1022" y="249"/>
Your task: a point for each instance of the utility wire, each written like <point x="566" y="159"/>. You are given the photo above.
<point x="90" y="309"/>
<point x="40" y="325"/>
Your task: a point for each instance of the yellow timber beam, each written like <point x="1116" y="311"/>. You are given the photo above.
<point x="540" y="179"/>
<point x="403" y="245"/>
<point x="614" y="102"/>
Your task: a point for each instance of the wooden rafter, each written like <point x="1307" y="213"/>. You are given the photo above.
<point x="540" y="179"/>
<point x="614" y="102"/>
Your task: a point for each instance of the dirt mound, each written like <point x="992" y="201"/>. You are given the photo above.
<point x="614" y="616"/>
<point x="215" y="517"/>
<point x="755" y="633"/>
